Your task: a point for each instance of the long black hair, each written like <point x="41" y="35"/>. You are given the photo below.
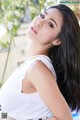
<point x="66" y="57"/>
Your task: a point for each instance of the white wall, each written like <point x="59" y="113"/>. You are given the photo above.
<point x="17" y="54"/>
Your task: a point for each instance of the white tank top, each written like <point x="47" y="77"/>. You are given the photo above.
<point x="23" y="106"/>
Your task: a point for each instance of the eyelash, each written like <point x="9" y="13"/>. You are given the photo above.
<point x="49" y="23"/>
<point x="42" y="16"/>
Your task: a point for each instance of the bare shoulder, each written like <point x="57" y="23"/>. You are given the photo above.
<point x="38" y="65"/>
<point x="45" y="84"/>
<point x="39" y="69"/>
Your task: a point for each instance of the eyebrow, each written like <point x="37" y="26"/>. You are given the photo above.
<point x="51" y="18"/>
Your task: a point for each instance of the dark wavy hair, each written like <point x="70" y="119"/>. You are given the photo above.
<point x="66" y="57"/>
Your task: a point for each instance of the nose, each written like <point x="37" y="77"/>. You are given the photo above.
<point x="40" y="23"/>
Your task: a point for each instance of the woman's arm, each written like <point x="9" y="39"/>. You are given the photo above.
<point x="44" y="82"/>
<point x="53" y="118"/>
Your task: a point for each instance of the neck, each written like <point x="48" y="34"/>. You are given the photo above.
<point x="35" y="49"/>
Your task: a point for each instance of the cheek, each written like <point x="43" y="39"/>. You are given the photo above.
<point x="48" y="36"/>
<point x="48" y="33"/>
<point x="51" y="34"/>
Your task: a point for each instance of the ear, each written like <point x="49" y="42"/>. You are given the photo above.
<point x="56" y="42"/>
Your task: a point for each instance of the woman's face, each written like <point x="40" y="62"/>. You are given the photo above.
<point x="45" y="28"/>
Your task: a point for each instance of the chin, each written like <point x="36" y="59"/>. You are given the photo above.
<point x="30" y="36"/>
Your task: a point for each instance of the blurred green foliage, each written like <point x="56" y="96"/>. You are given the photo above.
<point x="36" y="6"/>
<point x="1" y="83"/>
<point x="12" y="12"/>
<point x="4" y="44"/>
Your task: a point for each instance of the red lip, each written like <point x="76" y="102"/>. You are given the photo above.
<point x="32" y="28"/>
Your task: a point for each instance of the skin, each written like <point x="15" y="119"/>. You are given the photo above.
<point x="46" y="36"/>
<point x="39" y="78"/>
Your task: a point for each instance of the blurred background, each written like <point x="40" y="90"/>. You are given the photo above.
<point x="15" y="16"/>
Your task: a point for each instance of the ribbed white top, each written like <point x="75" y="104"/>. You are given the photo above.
<point x="22" y="106"/>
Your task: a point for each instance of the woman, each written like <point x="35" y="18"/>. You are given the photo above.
<point x="48" y="82"/>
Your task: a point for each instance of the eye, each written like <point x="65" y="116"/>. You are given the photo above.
<point x="51" y="25"/>
<point x="42" y="16"/>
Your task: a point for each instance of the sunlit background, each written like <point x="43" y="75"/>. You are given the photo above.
<point x="15" y="16"/>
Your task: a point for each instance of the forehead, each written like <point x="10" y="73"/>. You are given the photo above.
<point x="56" y="15"/>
